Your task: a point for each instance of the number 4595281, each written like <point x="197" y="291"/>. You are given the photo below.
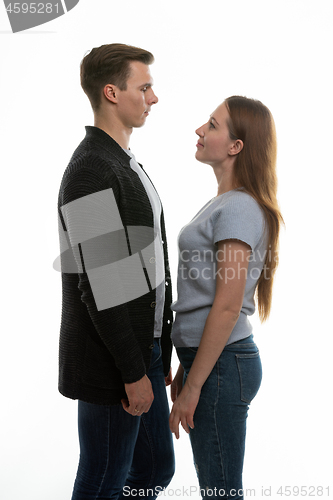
<point x="303" y="491"/>
<point x="32" y="8"/>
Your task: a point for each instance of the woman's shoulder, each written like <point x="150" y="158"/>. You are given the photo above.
<point x="239" y="216"/>
<point x="237" y="201"/>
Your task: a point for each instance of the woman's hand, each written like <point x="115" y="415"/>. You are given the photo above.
<point x="224" y="313"/>
<point x="183" y="409"/>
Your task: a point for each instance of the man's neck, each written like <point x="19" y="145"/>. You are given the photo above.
<point x="118" y="133"/>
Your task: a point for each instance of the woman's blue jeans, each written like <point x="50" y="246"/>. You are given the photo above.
<point x="122" y="456"/>
<point x="218" y="437"/>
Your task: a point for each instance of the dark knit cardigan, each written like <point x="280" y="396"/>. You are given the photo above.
<point x="101" y="350"/>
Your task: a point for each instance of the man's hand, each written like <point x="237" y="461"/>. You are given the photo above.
<point x="168" y="379"/>
<point x="177" y="383"/>
<point x="139" y="397"/>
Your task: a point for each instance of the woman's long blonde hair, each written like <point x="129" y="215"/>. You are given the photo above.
<point x="255" y="171"/>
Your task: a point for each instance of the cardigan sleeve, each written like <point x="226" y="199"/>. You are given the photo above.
<point x="92" y="224"/>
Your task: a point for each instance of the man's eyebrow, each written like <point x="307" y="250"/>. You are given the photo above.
<point x="146" y="85"/>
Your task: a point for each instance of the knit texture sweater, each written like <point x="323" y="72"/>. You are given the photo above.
<point x="101" y="349"/>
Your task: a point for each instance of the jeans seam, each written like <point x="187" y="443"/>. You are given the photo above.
<point x="247" y="355"/>
<point x="108" y="457"/>
<point x="153" y="471"/>
<point x="232" y="347"/>
<point x="215" y="422"/>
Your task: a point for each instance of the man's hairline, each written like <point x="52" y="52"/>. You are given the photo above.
<point x="150" y="84"/>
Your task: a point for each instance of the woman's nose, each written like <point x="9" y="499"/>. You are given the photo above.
<point x="199" y="132"/>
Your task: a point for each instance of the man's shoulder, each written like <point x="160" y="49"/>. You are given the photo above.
<point x="92" y="158"/>
<point x="91" y="151"/>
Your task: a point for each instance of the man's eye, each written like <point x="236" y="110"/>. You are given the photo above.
<point x="144" y="89"/>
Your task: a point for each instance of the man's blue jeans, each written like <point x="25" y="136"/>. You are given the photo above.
<point x="121" y="454"/>
<point x="218" y="437"/>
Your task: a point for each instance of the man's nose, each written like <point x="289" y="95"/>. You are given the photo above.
<point x="153" y="99"/>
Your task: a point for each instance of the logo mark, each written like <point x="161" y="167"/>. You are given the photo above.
<point x="121" y="263"/>
<point x="25" y="15"/>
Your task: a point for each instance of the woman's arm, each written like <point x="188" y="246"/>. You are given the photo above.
<point x="230" y="285"/>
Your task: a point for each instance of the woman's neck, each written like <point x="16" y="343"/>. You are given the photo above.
<point x="225" y="180"/>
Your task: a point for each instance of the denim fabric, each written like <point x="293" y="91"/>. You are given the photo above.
<point x="121" y="454"/>
<point x="218" y="437"/>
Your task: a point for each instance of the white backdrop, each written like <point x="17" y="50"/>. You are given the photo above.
<point x="277" y="51"/>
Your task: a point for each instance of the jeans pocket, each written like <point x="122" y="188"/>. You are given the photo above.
<point x="156" y="353"/>
<point x="250" y="375"/>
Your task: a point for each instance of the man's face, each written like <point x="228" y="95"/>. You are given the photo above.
<point x="135" y="102"/>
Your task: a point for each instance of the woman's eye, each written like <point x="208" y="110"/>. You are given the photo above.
<point x="211" y="125"/>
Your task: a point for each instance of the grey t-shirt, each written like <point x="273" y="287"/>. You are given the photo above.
<point x="232" y="215"/>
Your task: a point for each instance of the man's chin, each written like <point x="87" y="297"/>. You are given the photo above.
<point x="140" y="123"/>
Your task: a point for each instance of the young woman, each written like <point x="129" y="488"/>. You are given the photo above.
<point x="228" y="254"/>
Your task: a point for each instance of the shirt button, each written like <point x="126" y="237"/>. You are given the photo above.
<point x="151" y="346"/>
<point x="152" y="260"/>
<point x="153" y="304"/>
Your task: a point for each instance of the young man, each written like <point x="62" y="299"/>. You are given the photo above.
<point x="115" y="346"/>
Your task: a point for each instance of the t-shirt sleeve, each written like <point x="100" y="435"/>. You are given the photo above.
<point x="240" y="218"/>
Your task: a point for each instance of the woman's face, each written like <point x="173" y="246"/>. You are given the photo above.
<point x="214" y="146"/>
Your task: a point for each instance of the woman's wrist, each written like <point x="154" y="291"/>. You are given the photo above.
<point x="193" y="385"/>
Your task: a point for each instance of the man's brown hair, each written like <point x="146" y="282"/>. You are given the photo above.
<point x="109" y="64"/>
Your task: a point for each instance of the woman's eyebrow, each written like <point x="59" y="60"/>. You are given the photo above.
<point x="212" y="118"/>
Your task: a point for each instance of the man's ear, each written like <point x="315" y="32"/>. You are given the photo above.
<point x="110" y="92"/>
<point x="236" y="147"/>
